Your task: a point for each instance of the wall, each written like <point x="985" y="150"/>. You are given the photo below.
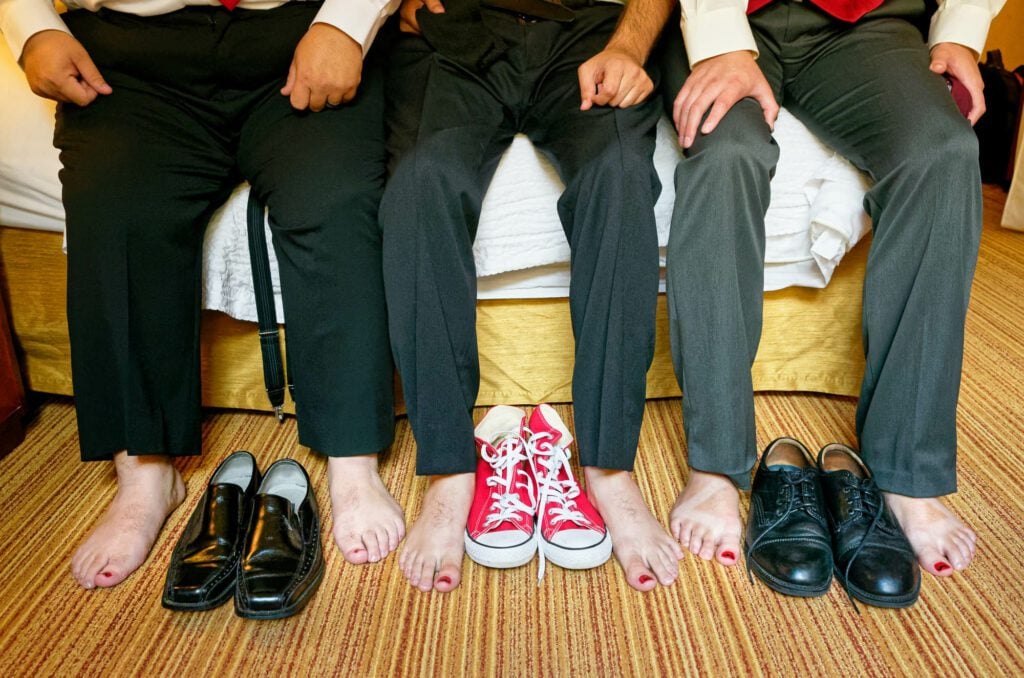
<point x="1007" y="34"/>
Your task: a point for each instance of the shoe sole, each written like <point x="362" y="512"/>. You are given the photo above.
<point x="294" y="608"/>
<point x="785" y="587"/>
<point x="581" y="558"/>
<point x="894" y="602"/>
<point x="500" y="558"/>
<point x="198" y="607"/>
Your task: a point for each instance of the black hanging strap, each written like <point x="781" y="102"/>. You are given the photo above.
<point x="266" y="314"/>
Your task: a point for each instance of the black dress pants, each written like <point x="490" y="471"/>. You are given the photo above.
<point x="195" y="109"/>
<point x="452" y="125"/>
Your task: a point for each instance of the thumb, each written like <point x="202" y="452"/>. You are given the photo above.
<point x="90" y="74"/>
<point x="289" y="83"/>
<point x="938" y="66"/>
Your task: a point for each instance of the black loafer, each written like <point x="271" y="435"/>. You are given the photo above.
<point x="283" y="562"/>
<point x="874" y="560"/>
<point x="787" y="539"/>
<point x="204" y="564"/>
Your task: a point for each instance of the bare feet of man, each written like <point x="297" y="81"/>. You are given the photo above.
<point x="942" y="543"/>
<point x="368" y="522"/>
<point x="645" y="551"/>
<point x="706" y="517"/>
<point x="432" y="555"/>
<point x="149" y="488"/>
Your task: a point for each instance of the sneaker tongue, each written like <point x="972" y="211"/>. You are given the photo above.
<point x="500" y="438"/>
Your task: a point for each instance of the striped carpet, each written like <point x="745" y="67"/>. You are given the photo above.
<point x="367" y="621"/>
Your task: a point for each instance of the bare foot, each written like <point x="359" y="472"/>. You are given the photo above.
<point x="149" y="488"/>
<point x="368" y="522"/>
<point x="942" y="543"/>
<point x="706" y="517"/>
<point x="432" y="555"/>
<point x="645" y="551"/>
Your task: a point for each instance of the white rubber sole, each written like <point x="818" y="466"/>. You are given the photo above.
<point x="579" y="558"/>
<point x="500" y="557"/>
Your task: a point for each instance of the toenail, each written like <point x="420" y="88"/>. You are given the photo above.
<point x="728" y="555"/>
<point x="444" y="580"/>
<point x="644" y="579"/>
<point x="106" y="574"/>
<point x="941" y="567"/>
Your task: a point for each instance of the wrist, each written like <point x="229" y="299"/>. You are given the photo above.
<point x="630" y="51"/>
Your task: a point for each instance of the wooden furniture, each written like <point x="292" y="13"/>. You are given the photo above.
<point x="12" y="393"/>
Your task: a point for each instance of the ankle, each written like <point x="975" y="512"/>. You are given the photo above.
<point x="360" y="466"/>
<point x="606" y="476"/>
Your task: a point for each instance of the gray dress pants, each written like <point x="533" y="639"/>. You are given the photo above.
<point x="865" y="90"/>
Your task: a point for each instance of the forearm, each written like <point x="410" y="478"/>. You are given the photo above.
<point x="640" y="26"/>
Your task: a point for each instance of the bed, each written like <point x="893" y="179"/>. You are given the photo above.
<point x="815" y="221"/>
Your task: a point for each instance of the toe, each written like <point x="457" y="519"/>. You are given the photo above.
<point x="448" y="577"/>
<point x="89" y="569"/>
<point x="415" y="565"/>
<point x="958" y="554"/>
<point x="665" y="568"/>
<point x="707" y="549"/>
<point x="639" y="576"/>
<point x="400" y="529"/>
<point x="112" y="573"/>
<point x="934" y="562"/>
<point x="372" y="546"/>
<point x="426" y="575"/>
<point x="352" y="549"/>
<point x="695" y="543"/>
<point x="728" y="550"/>
<point x="392" y="539"/>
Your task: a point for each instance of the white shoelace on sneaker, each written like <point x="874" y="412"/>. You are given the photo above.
<point x="557" y="498"/>
<point x="504" y="460"/>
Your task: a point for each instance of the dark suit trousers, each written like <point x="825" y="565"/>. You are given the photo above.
<point x="451" y="126"/>
<point x="866" y="91"/>
<point x="196" y="109"/>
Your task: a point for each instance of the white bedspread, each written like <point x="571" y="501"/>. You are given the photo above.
<point x="815" y="216"/>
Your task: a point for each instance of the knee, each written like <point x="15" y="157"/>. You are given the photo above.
<point x="741" y="142"/>
<point x="948" y="146"/>
<point x="310" y="203"/>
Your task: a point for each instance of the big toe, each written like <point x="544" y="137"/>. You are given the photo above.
<point x="934" y="562"/>
<point x="115" y="571"/>
<point x="448" y="577"/>
<point x="638" y="575"/>
<point x="352" y="549"/>
<point x="727" y="551"/>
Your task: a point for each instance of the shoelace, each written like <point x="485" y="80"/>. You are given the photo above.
<point x="504" y="459"/>
<point x="799" y="491"/>
<point x="552" y="459"/>
<point x="864" y="497"/>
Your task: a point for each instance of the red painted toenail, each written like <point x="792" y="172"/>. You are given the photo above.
<point x="444" y="580"/>
<point x="728" y="555"/>
<point x="106" y="574"/>
<point x="644" y="579"/>
<point x="942" y="567"/>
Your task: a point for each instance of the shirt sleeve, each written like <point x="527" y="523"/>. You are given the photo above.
<point x="964" y="22"/>
<point x="713" y="27"/>
<point x="359" y="19"/>
<point x="21" y="19"/>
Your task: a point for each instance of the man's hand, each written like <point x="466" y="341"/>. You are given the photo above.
<point x="407" y="14"/>
<point x="325" y="71"/>
<point x="961" y="63"/>
<point x="718" y="83"/>
<point x="613" y="77"/>
<point x="58" y="67"/>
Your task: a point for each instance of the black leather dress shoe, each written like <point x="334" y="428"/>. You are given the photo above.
<point x="787" y="539"/>
<point x="283" y="562"/>
<point x="204" y="565"/>
<point x="874" y="560"/>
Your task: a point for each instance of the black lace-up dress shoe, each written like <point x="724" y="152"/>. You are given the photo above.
<point x="283" y="562"/>
<point x="204" y="564"/>
<point x="787" y="539"/>
<point x="873" y="558"/>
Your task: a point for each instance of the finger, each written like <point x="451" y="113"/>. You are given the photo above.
<point x="317" y="100"/>
<point x="588" y="75"/>
<point x="289" y="83"/>
<point x="630" y="98"/>
<point x="90" y="74"/>
<point x="434" y="6"/>
<point x="335" y="99"/>
<point x="71" y="90"/>
<point x="977" y="103"/>
<point x="626" y="85"/>
<point x="300" y="97"/>
<point x="679" y="106"/>
<point x="769" y="105"/>
<point x="718" y="110"/>
<point x="938" y="66"/>
<point x="610" y="84"/>
<point x="694" y="116"/>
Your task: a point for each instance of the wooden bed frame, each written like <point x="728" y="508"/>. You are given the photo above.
<point x="811" y="339"/>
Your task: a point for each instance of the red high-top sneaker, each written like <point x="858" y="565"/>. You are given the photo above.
<point x="499" y="531"/>
<point x="572" y="533"/>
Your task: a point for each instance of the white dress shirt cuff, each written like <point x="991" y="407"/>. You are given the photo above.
<point x="965" y="25"/>
<point x="21" y="19"/>
<point x="719" y="31"/>
<point x="359" y="19"/>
